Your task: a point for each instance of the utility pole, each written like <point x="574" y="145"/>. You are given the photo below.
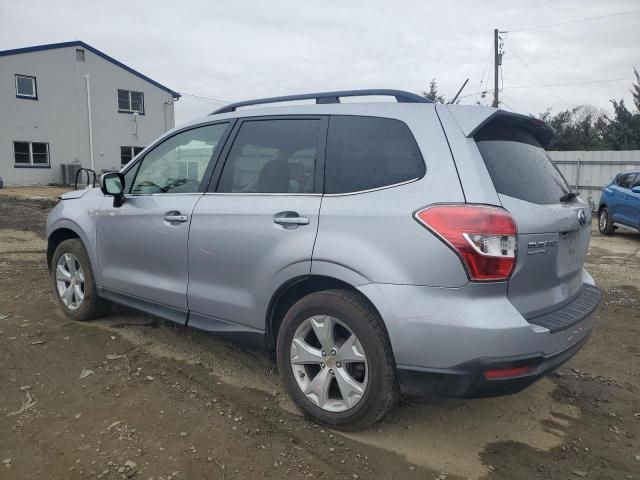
<point x="497" y="61"/>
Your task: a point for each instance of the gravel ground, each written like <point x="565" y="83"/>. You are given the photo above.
<point x="160" y="401"/>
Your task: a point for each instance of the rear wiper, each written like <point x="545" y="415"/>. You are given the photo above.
<point x="567" y="197"/>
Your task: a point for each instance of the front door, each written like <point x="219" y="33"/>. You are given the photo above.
<point x="633" y="200"/>
<point x="256" y="227"/>
<point x="142" y="244"/>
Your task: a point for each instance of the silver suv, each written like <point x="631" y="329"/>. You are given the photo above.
<point x="375" y="247"/>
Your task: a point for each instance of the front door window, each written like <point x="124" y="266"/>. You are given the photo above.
<point x="178" y="164"/>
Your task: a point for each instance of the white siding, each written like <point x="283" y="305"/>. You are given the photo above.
<point x="59" y="116"/>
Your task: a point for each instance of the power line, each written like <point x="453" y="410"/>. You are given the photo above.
<point x="216" y="100"/>
<point x="537" y="76"/>
<point x="504" y="104"/>
<point x="511" y="99"/>
<point x="572" y="83"/>
<point x="539" y="85"/>
<point x="486" y="67"/>
<point x="586" y="19"/>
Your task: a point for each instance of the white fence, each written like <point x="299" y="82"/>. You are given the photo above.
<point x="588" y="172"/>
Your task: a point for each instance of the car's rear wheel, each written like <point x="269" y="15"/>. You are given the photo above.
<point x="605" y="225"/>
<point x="73" y="282"/>
<point x="335" y="359"/>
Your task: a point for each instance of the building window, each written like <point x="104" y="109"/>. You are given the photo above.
<point x="127" y="153"/>
<point x="130" y="102"/>
<point x="31" y="154"/>
<point x="26" y="87"/>
<point x="80" y="54"/>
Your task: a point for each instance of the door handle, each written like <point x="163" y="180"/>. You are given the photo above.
<point x="173" y="217"/>
<point x="283" y="220"/>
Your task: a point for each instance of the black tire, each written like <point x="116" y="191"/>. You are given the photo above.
<point x="382" y="389"/>
<point x="92" y="305"/>
<point x="605" y="225"/>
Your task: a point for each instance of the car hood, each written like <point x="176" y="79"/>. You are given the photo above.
<point x="77" y="193"/>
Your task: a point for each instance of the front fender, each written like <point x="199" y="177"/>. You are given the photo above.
<point x="79" y="217"/>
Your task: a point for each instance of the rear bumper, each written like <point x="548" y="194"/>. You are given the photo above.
<point x="469" y="380"/>
<point x="445" y="339"/>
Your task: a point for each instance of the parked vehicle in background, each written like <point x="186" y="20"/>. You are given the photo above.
<point x="620" y="203"/>
<point x="372" y="246"/>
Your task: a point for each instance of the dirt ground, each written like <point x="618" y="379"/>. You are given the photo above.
<point x="34" y="192"/>
<point x="157" y="401"/>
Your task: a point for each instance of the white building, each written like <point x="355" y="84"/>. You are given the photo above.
<point x="69" y="102"/>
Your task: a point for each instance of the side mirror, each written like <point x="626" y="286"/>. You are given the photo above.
<point x="113" y="184"/>
<point x="636" y="189"/>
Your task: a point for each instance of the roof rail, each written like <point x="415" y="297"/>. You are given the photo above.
<point x="328" y="97"/>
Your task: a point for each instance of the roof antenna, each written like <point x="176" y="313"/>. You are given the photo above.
<point x="459" y="92"/>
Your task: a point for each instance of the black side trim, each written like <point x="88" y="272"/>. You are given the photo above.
<point x="228" y="330"/>
<point x="573" y="312"/>
<point x="163" y="311"/>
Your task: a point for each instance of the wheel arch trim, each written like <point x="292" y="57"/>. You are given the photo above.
<point x="293" y="290"/>
<point x="66" y="224"/>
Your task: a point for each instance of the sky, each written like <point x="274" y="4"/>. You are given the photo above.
<point x="235" y="50"/>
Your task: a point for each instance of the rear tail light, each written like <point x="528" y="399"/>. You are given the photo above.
<point x="485" y="238"/>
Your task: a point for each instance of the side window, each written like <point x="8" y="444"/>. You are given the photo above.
<point x="272" y="156"/>
<point x="635" y="180"/>
<point x="26" y="87"/>
<point x="130" y="102"/>
<point x="178" y="164"/>
<point x="625" y="180"/>
<point x="369" y="152"/>
<point x="129" y="176"/>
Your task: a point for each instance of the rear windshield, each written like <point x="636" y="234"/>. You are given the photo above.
<point x="519" y="166"/>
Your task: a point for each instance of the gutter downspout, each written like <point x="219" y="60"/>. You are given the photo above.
<point x="86" y="77"/>
<point x="168" y="125"/>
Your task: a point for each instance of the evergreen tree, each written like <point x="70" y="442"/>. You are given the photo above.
<point x="576" y="129"/>
<point x="432" y="94"/>
<point x="622" y="132"/>
<point x="635" y="91"/>
<point x="586" y="128"/>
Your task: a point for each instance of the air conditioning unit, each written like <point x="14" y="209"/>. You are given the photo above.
<point x="69" y="171"/>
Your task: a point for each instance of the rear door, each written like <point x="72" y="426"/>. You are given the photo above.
<point x="255" y="227"/>
<point x="553" y="228"/>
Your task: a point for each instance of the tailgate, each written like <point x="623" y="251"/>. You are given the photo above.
<point x="552" y="248"/>
<point x="554" y="227"/>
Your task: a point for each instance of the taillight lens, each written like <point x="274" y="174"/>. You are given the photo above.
<point x="484" y="237"/>
<point x="498" y="373"/>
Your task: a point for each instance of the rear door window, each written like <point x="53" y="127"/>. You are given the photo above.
<point x="369" y="152"/>
<point x="518" y="165"/>
<point x="273" y="156"/>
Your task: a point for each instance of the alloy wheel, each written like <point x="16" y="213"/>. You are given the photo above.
<point x="329" y="363"/>
<point x="70" y="281"/>
<point x="603" y="220"/>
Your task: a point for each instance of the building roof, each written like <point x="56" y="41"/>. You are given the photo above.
<point x="79" y="43"/>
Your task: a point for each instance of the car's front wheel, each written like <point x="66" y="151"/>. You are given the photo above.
<point x="74" y="286"/>
<point x="335" y="360"/>
<point x="605" y="225"/>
